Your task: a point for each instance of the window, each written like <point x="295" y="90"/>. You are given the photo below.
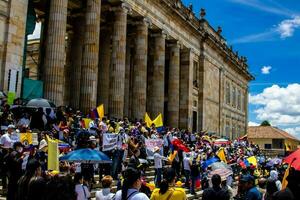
<point x="242" y="103"/>
<point x="268" y="146"/>
<point x="234" y="97"/>
<point x="195" y="74"/>
<point x="227" y="93"/>
<point x="227" y="129"/>
<point x="238" y="131"/>
<point x="239" y="100"/>
<point x="233" y="132"/>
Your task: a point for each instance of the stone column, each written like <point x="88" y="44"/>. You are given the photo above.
<point x="76" y="54"/>
<point x="158" y="79"/>
<point x="128" y="80"/>
<point x="68" y="65"/>
<point x="173" y="90"/>
<point x="139" y="89"/>
<point x="104" y="63"/>
<point x="89" y="73"/>
<point x="118" y="58"/>
<point x="186" y="89"/>
<point x="55" y="52"/>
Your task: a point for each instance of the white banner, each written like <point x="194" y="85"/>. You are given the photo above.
<point x="150" y="144"/>
<point x="109" y="141"/>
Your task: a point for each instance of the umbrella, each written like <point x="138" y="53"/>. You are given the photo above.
<point x="223" y="172"/>
<point x="221" y="141"/>
<point x="274" y="161"/>
<point x="39" y="102"/>
<point x="210" y="161"/>
<point x="293" y="159"/>
<point x="219" y="165"/>
<point x="86" y="156"/>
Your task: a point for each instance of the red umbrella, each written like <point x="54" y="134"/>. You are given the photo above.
<point x="294" y="159"/>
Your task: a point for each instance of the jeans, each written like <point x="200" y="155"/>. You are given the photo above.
<point x="116" y="163"/>
<point x="193" y="180"/>
<point x="187" y="174"/>
<point x="157" y="179"/>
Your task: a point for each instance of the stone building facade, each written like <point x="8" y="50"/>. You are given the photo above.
<point x="134" y="56"/>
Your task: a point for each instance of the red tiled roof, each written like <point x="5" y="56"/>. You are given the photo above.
<point x="268" y="132"/>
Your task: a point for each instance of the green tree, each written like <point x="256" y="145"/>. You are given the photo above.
<point x="265" y="123"/>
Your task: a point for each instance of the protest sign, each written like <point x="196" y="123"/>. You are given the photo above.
<point x="109" y="141"/>
<point x="26" y="138"/>
<point x="151" y="143"/>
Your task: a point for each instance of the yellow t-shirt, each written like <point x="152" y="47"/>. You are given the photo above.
<point x="178" y="194"/>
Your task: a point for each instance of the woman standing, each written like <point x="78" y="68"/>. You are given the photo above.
<point x="131" y="186"/>
<point x="82" y="190"/>
<point x="167" y="191"/>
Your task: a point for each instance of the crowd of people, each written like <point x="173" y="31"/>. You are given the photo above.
<point x="182" y="161"/>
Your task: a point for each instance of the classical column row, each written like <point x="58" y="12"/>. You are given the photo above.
<point x="107" y="70"/>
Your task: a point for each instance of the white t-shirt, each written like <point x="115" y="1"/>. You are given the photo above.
<point x="6" y="141"/>
<point x="82" y="191"/>
<point x="158" y="160"/>
<point x="186" y="163"/>
<point x="104" y="194"/>
<point x="136" y="196"/>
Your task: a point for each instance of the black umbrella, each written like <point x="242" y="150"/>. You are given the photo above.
<point x="40" y="103"/>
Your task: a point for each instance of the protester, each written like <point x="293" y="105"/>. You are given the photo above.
<point x="274" y="177"/>
<point x="187" y="169"/>
<point x="60" y="187"/>
<point x="33" y="169"/>
<point x="158" y="165"/>
<point x="167" y="190"/>
<point x="215" y="192"/>
<point x="5" y="141"/>
<point x="252" y="192"/>
<point x="195" y="172"/>
<point x="14" y="169"/>
<point x="131" y="186"/>
<point x="82" y="190"/>
<point x="105" y="192"/>
<point x="37" y="188"/>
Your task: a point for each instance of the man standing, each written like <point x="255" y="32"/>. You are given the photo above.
<point x="158" y="165"/>
<point x="215" y="192"/>
<point x="5" y="140"/>
<point x="187" y="169"/>
<point x="252" y="192"/>
<point x="14" y="169"/>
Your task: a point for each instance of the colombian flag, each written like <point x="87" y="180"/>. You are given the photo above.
<point x="98" y="113"/>
<point x="158" y="121"/>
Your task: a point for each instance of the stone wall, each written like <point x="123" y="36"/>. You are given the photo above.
<point x="12" y="23"/>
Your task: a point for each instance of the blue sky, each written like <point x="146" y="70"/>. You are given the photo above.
<point x="267" y="32"/>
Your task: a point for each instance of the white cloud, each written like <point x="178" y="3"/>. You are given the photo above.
<point x="36" y="33"/>
<point x="287" y="27"/>
<point x="279" y="105"/>
<point x="266" y="69"/>
<point x="253" y="124"/>
<point x="284" y="29"/>
<point x="295" y="131"/>
<point x="271" y="7"/>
